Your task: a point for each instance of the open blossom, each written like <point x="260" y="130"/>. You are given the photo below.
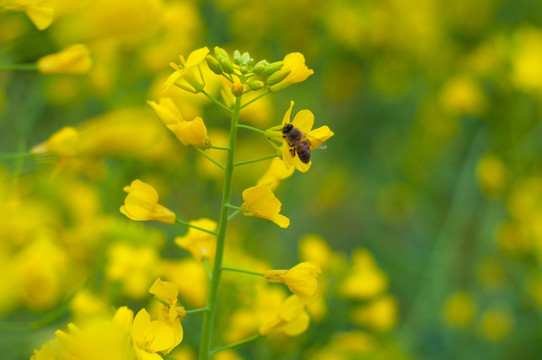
<point x="141" y="204"/>
<point x="72" y="60"/>
<point x="290" y="319"/>
<point x="171" y="314"/>
<point x="301" y="280"/>
<point x="261" y="202"/>
<point x="192" y="132"/>
<point x="187" y="75"/>
<point x="276" y="172"/>
<point x="151" y="337"/>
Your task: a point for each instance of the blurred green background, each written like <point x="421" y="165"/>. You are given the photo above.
<point x="435" y="167"/>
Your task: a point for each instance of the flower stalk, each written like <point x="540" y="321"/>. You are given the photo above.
<point x="208" y="320"/>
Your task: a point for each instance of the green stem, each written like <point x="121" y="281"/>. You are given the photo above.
<point x="255" y="160"/>
<point x="194" y="311"/>
<point x="210" y="158"/>
<point x="206" y="266"/>
<point x="234" y="345"/>
<point x="250" y="128"/>
<point x="220" y="147"/>
<point x="256" y="98"/>
<point x="242" y="271"/>
<point x="195" y="227"/>
<point x="22" y="67"/>
<point x="233" y="214"/>
<point x="216" y="101"/>
<point x="233" y="207"/>
<point x="208" y="320"/>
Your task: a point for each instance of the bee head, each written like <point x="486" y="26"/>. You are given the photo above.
<point x="287" y="128"/>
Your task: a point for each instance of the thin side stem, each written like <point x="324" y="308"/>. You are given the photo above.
<point x="233" y="207"/>
<point x="212" y="98"/>
<point x="242" y="271"/>
<point x="206" y="266"/>
<point x="195" y="227"/>
<point x="233" y="214"/>
<point x="210" y="158"/>
<point x="220" y="147"/>
<point x="255" y="160"/>
<point x="256" y="98"/>
<point x="208" y="320"/>
<point x="234" y="345"/>
<point x="21" y="67"/>
<point x="195" y="311"/>
<point x="242" y="126"/>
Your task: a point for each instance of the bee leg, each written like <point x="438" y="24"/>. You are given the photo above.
<point x="292" y="151"/>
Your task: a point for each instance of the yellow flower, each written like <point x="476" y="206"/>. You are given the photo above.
<point x="301" y="280"/>
<point x="459" y="309"/>
<point x="171" y="313"/>
<point x="303" y="122"/>
<point x="63" y="143"/>
<point x="496" y="324"/>
<point x="491" y="173"/>
<point x="201" y="244"/>
<point x="379" y="315"/>
<point x="40" y="12"/>
<point x="188" y="75"/>
<point x="290" y="319"/>
<point x="151" y="337"/>
<point x="277" y="171"/>
<point x="295" y="62"/>
<point x="72" y="60"/>
<point x="261" y="202"/>
<point x="141" y="204"/>
<point x="365" y="279"/>
<point x="188" y="132"/>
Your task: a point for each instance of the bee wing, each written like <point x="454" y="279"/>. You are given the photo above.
<point x="318" y="136"/>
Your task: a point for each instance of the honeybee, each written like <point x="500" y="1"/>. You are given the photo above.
<point x="298" y="141"/>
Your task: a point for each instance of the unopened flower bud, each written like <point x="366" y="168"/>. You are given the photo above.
<point x="221" y="52"/>
<point x="259" y="67"/>
<point x="227" y="66"/>
<point x="271" y="68"/>
<point x="256" y="84"/>
<point x="214" y="65"/>
<point x="237" y="89"/>
<point x="243" y="69"/>
<point x="278" y="76"/>
<point x="237" y="57"/>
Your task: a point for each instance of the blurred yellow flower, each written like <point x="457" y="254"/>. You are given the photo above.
<point x="379" y="315"/>
<point x="191" y="277"/>
<point x="99" y="340"/>
<point x="260" y="201"/>
<point x="276" y="172"/>
<point x="462" y="95"/>
<point x="191" y="132"/>
<point x="201" y="244"/>
<point x="63" y="143"/>
<point x="290" y="319"/>
<point x="365" y="279"/>
<point x="188" y="75"/>
<point x="141" y="204"/>
<point x="72" y="60"/>
<point x="459" y="309"/>
<point x="40" y="12"/>
<point x="314" y="248"/>
<point x="303" y="122"/>
<point x="295" y="62"/>
<point x="301" y="280"/>
<point x="151" y="337"/>
<point x="491" y="173"/>
<point x="496" y="324"/>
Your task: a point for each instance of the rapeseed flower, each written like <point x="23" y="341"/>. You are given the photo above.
<point x="459" y="309"/>
<point x="72" y="60"/>
<point x="303" y="121"/>
<point x="290" y="319"/>
<point x="261" y="202"/>
<point x="141" y="204"/>
<point x="151" y="337"/>
<point x="301" y="280"/>
<point x="63" y="143"/>
<point x="295" y="63"/>
<point x="188" y="75"/>
<point x="199" y="243"/>
<point x="191" y="132"/>
<point x="276" y="172"/>
<point x="170" y="313"/>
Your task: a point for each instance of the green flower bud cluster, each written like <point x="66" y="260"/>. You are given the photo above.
<point x="242" y="68"/>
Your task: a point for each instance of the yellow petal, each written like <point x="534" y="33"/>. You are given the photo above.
<point x="164" y="290"/>
<point x="261" y="202"/>
<point x="167" y="111"/>
<point x="72" y="60"/>
<point x="192" y="133"/>
<point x="287" y="115"/>
<point x="41" y="13"/>
<point x="196" y="57"/>
<point x="303" y="121"/>
<point x="318" y="136"/>
<point x="171" y="79"/>
<point x="299" y="71"/>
